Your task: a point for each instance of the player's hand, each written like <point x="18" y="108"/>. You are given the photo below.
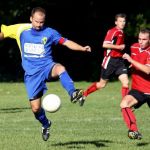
<point x="87" y="48"/>
<point x="127" y="57"/>
<point x="122" y="47"/>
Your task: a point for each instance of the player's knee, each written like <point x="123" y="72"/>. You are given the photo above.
<point x="126" y="83"/>
<point x="60" y="68"/>
<point x="35" y="109"/>
<point x="124" y="80"/>
<point x="100" y="85"/>
<point x="123" y="104"/>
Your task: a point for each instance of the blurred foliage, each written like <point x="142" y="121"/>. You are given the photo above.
<point x="19" y="10"/>
<point x="136" y="22"/>
<point x="84" y="21"/>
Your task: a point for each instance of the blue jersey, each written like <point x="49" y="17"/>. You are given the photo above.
<point x="36" y="52"/>
<point x="37" y="48"/>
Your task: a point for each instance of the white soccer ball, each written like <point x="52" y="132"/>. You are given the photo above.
<point x="51" y="103"/>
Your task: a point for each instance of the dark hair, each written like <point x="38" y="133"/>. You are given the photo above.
<point x="121" y="15"/>
<point x="145" y="30"/>
<point x="38" y="9"/>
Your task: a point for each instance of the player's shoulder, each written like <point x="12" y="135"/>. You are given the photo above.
<point x="16" y="27"/>
<point x="14" y="31"/>
<point x="111" y="29"/>
<point x="135" y="45"/>
<point x="51" y="30"/>
<point x="115" y="31"/>
<point x="24" y="26"/>
<point x="148" y="49"/>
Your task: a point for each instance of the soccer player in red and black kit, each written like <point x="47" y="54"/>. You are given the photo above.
<point x="140" y="87"/>
<point x="113" y="63"/>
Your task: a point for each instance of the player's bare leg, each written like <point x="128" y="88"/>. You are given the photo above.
<point x="39" y="114"/>
<point x="125" y="84"/>
<point x="92" y="88"/>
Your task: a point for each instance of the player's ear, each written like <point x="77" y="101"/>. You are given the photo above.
<point x="31" y="18"/>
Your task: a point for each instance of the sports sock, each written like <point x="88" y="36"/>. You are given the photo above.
<point x="129" y="119"/>
<point x="41" y="117"/>
<point x="124" y="91"/>
<point x="90" y="89"/>
<point x="67" y="82"/>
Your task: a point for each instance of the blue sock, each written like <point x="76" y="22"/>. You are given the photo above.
<point x="41" y="117"/>
<point x="67" y="82"/>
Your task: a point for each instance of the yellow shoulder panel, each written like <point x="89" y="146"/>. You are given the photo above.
<point x="14" y="31"/>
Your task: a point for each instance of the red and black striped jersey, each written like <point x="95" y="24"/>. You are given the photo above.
<point x="114" y="36"/>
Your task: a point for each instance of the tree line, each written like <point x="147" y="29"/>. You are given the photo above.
<point x="85" y="22"/>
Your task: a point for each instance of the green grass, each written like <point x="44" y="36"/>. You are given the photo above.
<point x="96" y="125"/>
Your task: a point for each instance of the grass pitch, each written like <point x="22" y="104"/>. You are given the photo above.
<point x="96" y="125"/>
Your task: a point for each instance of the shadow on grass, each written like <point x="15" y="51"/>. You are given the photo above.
<point x="142" y="144"/>
<point x="13" y="110"/>
<point x="81" y="144"/>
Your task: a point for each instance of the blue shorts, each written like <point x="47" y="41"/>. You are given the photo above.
<point x="36" y="83"/>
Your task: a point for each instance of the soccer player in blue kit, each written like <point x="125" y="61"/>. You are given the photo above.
<point x="35" y="41"/>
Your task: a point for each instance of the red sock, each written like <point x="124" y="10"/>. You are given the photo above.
<point x="90" y="89"/>
<point x="129" y="119"/>
<point x="124" y="91"/>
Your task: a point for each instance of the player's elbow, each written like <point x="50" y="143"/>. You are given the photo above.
<point x="146" y="69"/>
<point x="104" y="45"/>
<point x="148" y="72"/>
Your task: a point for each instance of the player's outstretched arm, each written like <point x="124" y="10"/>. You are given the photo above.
<point x="75" y="46"/>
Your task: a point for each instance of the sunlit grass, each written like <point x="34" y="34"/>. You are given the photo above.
<point x="96" y="125"/>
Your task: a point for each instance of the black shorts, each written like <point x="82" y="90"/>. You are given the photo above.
<point x="140" y="97"/>
<point x="116" y="66"/>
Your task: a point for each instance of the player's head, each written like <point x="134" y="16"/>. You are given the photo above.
<point x="120" y="20"/>
<point x="37" y="17"/>
<point x="144" y="38"/>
